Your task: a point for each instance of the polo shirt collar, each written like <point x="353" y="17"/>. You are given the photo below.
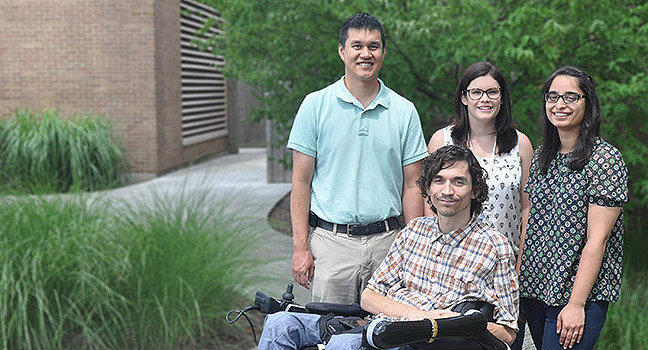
<point x="345" y="95"/>
<point x="455" y="237"/>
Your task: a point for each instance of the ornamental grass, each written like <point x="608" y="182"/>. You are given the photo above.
<point x="40" y="152"/>
<point x="84" y="271"/>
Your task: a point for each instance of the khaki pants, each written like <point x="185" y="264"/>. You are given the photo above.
<point x="344" y="264"/>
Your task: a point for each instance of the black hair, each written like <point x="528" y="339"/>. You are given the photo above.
<point x="506" y="135"/>
<point x="443" y="158"/>
<point x="589" y="128"/>
<point x="362" y="20"/>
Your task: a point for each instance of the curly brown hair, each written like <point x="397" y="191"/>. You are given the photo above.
<point x="443" y="158"/>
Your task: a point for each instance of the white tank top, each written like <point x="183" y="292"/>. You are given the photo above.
<point x="502" y="209"/>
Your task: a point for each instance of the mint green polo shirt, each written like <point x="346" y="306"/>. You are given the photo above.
<point x="359" y="152"/>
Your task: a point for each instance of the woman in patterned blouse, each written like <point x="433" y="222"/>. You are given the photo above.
<point x="572" y="254"/>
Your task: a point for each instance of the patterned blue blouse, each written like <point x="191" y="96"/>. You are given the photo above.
<point x="557" y="228"/>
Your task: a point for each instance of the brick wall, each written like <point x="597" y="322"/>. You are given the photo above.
<point x="119" y="59"/>
<point x="168" y="82"/>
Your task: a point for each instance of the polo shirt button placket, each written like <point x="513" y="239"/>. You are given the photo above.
<point x="363" y="129"/>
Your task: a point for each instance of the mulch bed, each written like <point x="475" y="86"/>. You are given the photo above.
<point x="279" y="216"/>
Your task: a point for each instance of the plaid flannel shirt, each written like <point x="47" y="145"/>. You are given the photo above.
<point x="430" y="270"/>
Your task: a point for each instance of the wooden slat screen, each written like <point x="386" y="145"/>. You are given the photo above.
<point x="204" y="90"/>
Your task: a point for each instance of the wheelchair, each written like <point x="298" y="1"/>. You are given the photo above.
<point x="464" y="332"/>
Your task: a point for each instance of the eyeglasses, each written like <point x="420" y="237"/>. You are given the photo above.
<point x="568" y="97"/>
<point x="477" y="93"/>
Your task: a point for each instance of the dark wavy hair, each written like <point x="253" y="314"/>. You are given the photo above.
<point x="506" y="135"/>
<point x="362" y="20"/>
<point x="589" y="128"/>
<point x="443" y="158"/>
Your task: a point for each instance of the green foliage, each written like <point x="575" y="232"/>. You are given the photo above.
<point x="43" y="253"/>
<point x="40" y="152"/>
<point x="191" y="259"/>
<point x="81" y="272"/>
<point x="286" y="49"/>
<point x="626" y="326"/>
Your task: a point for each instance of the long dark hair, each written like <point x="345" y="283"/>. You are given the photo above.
<point x="506" y="135"/>
<point x="446" y="156"/>
<point x="589" y="128"/>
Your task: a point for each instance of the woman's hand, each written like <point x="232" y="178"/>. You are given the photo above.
<point x="571" y="324"/>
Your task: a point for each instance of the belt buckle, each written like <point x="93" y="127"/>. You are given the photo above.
<point x="357" y="230"/>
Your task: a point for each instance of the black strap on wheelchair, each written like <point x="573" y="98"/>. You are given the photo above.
<point x="481" y="341"/>
<point x="485" y="308"/>
<point x="331" y="324"/>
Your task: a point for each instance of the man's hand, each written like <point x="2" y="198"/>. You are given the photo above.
<point x="303" y="267"/>
<point x="441" y="314"/>
<point x="415" y="314"/>
<point x="571" y="324"/>
<point x="430" y="314"/>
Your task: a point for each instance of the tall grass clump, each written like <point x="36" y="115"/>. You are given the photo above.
<point x="626" y="326"/>
<point x="43" y="153"/>
<point x="57" y="257"/>
<point x="191" y="259"/>
<point x="94" y="272"/>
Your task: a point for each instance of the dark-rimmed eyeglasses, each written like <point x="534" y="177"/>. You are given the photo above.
<point x="477" y="93"/>
<point x="568" y="97"/>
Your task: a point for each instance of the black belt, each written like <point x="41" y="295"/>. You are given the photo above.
<point x="394" y="222"/>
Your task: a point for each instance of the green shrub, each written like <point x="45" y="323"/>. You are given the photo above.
<point x="55" y="261"/>
<point x="40" y="153"/>
<point x="82" y="272"/>
<point x="191" y="258"/>
<point x="626" y="326"/>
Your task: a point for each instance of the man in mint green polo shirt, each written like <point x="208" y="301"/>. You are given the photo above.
<point x="357" y="147"/>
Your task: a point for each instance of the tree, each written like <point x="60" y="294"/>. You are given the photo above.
<point x="286" y="49"/>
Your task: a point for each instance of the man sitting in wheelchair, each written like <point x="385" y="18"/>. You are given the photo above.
<point x="435" y="263"/>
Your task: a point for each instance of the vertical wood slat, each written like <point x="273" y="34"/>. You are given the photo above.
<point x="204" y="97"/>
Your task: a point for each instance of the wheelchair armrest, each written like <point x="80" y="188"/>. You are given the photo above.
<point x="336" y="309"/>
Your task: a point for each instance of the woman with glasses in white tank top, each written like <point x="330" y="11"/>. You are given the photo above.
<point x="483" y="124"/>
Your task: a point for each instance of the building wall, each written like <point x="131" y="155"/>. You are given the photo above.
<point x="240" y="104"/>
<point x="119" y="59"/>
<point x="169" y="93"/>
